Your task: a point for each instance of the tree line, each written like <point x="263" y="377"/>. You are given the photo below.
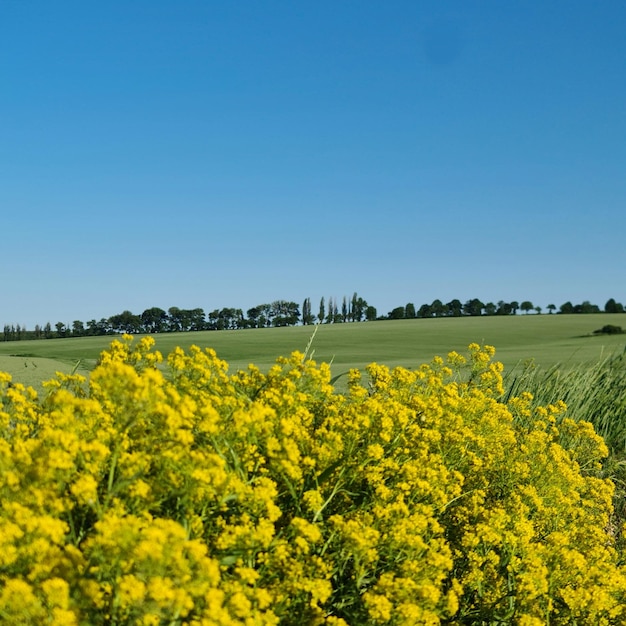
<point x="156" y="320"/>
<point x="475" y="307"/>
<point x="284" y="313"/>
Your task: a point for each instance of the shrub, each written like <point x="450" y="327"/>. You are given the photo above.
<point x="197" y="497"/>
<point x="609" y="329"/>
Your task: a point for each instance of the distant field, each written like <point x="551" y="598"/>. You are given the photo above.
<point x="548" y="339"/>
<point x="32" y="371"/>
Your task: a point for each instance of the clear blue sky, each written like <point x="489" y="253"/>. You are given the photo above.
<point x="211" y="154"/>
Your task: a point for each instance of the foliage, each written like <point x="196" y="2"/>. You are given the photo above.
<point x="279" y="313"/>
<point x="397" y="314"/>
<point x="595" y="393"/>
<point x="609" y="329"/>
<point x="613" y="307"/>
<point x="203" y="498"/>
<point x="473" y="307"/>
<point x="307" y="316"/>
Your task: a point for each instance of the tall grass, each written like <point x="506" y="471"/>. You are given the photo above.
<point x="595" y="393"/>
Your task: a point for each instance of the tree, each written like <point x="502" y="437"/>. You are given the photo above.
<point x="197" y="319"/>
<point x="254" y="316"/>
<point x="344" y="310"/>
<point x="526" y="306"/>
<point x="409" y="311"/>
<point x="307" y="315"/>
<point x="284" y="313"/>
<point x="613" y="307"/>
<point x="455" y="308"/>
<point x="370" y="313"/>
<point x="186" y="318"/>
<point x="230" y="318"/>
<point x="154" y="320"/>
<point x="61" y="329"/>
<point x="125" y="322"/>
<point x="103" y="327"/>
<point x="265" y="318"/>
<point x="437" y="308"/>
<point x="490" y="308"/>
<point x="240" y="321"/>
<point x="359" y="307"/>
<point x="514" y="307"/>
<point x="566" y="307"/>
<point x="322" y="312"/>
<point x="504" y="308"/>
<point x="225" y="319"/>
<point x="335" y="310"/>
<point x="397" y="313"/>
<point x="354" y="304"/>
<point x="538" y="310"/>
<point x="174" y="321"/>
<point x="213" y="320"/>
<point x="425" y="311"/>
<point x="586" y="307"/>
<point x="551" y="308"/>
<point x="473" y="307"/>
<point x="78" y="329"/>
<point x="330" y="313"/>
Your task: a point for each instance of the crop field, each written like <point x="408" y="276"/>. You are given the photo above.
<point x="566" y="340"/>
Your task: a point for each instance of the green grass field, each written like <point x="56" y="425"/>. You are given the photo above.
<point x="547" y="339"/>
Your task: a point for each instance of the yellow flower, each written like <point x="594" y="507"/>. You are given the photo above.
<point x="198" y="496"/>
<point x="85" y="489"/>
<point x="378" y="607"/>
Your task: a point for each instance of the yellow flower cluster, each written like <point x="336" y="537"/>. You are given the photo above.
<point x="177" y="493"/>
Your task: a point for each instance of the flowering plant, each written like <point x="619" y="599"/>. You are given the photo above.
<point x="177" y="493"/>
